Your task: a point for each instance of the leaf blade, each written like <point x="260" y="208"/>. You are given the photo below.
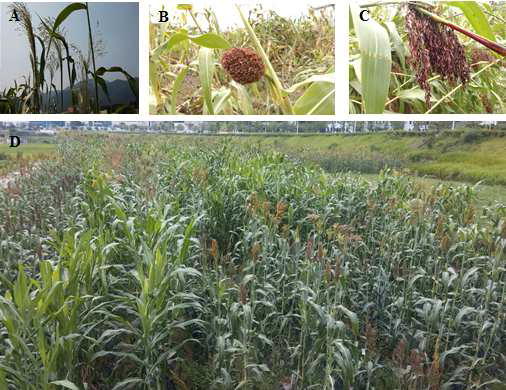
<point x="210" y="40"/>
<point x="376" y="62"/>
<point x="67" y="11"/>
<point x="476" y="17"/>
<point x="206" y="71"/>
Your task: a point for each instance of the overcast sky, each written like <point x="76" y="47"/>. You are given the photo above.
<point x="227" y="14"/>
<point x="118" y="24"/>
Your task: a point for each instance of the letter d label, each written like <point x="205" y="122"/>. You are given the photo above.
<point x="15" y="141"/>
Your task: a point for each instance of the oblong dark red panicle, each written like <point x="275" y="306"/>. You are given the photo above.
<point x="436" y="49"/>
<point x="242" y="64"/>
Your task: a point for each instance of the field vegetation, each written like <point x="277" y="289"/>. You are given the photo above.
<point x="145" y="263"/>
<point x="51" y="53"/>
<point x="13" y="158"/>
<point x="197" y="67"/>
<point x="414" y="57"/>
<point x="467" y="155"/>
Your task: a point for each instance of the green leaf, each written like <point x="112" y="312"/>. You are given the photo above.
<point x="476" y="17"/>
<point x="397" y="43"/>
<point x="503" y="106"/>
<point x="103" y="85"/>
<point x="220" y="98"/>
<point x="328" y="78"/>
<point x="170" y="43"/>
<point x="3" y="380"/>
<point x="318" y="99"/>
<point x="73" y="76"/>
<point x="206" y="71"/>
<point x="66" y="13"/>
<point x="66" y="383"/>
<point x="210" y="40"/>
<point x="376" y="62"/>
<point x="40" y="76"/>
<point x="127" y="383"/>
<point x="245" y="100"/>
<point x="132" y="82"/>
<point x="101" y="71"/>
<point x="351" y="316"/>
<point x="175" y="88"/>
<point x="412" y="94"/>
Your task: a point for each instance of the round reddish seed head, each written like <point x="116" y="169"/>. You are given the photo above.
<point x="243" y="65"/>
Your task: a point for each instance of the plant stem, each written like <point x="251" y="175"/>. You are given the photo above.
<point x="61" y="79"/>
<point x="277" y="87"/>
<point x="393" y="2"/>
<point x="196" y="23"/>
<point x="93" y="58"/>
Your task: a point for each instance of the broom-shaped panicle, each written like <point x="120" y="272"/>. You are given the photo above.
<point x="499" y="49"/>
<point x="434" y="49"/>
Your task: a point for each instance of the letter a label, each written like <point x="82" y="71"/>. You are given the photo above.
<point x="14" y="16"/>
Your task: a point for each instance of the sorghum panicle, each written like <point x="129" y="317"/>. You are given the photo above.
<point x="434" y="49"/>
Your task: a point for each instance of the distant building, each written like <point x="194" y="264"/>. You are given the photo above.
<point x="488" y="123"/>
<point x="48" y="131"/>
<point x="45" y="124"/>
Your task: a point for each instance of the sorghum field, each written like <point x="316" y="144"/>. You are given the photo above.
<point x="185" y="263"/>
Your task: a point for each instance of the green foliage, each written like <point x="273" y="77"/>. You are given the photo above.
<point x="470" y="156"/>
<point x="296" y="54"/>
<point x="484" y="93"/>
<point x="375" y="62"/>
<point x="149" y="263"/>
<point x="38" y="94"/>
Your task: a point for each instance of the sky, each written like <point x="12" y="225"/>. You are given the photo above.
<point x="227" y="14"/>
<point x="118" y="24"/>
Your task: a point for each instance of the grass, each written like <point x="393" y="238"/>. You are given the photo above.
<point x="12" y="158"/>
<point x="444" y="156"/>
<point x="486" y="195"/>
<point x="28" y="150"/>
<point x="51" y="52"/>
<point x="193" y="263"/>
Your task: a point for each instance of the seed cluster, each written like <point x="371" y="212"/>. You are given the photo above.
<point x="242" y="64"/>
<point x="434" y="49"/>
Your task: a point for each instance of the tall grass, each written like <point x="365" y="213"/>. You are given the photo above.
<point x="147" y="263"/>
<point x="49" y="48"/>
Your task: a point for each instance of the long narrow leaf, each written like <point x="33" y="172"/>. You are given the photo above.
<point x="178" y="82"/>
<point x="476" y="17"/>
<point x="376" y="62"/>
<point x="66" y="13"/>
<point x="245" y="100"/>
<point x="318" y="99"/>
<point x="206" y="71"/>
